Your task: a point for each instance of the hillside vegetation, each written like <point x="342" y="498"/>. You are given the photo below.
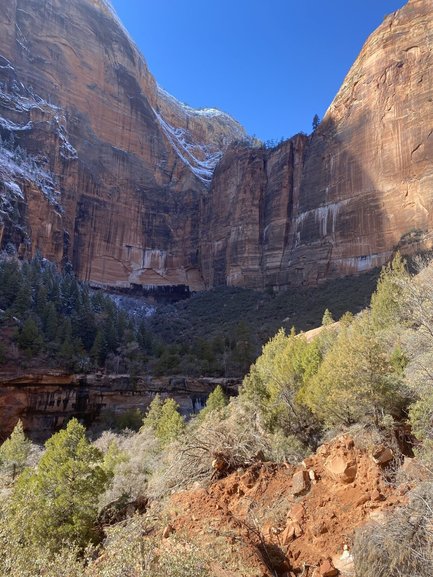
<point x="49" y="319"/>
<point x="67" y="511"/>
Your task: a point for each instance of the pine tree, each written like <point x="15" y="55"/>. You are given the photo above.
<point x="29" y="337"/>
<point x="57" y="502"/>
<point x="327" y="318"/>
<point x="154" y="413"/>
<point x="15" y="451"/>
<point x="387" y="300"/>
<point x="171" y="424"/>
<point x="164" y="418"/>
<point x="23" y="302"/>
<point x="217" y="401"/>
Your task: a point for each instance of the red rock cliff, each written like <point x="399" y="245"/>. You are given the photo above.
<point x="119" y="177"/>
<point x="342" y="201"/>
<point x="127" y="163"/>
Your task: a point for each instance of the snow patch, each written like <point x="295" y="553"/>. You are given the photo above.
<point x="67" y="151"/>
<point x="189" y="111"/>
<point x="14" y="189"/>
<point x="135" y="307"/>
<point x="198" y="157"/>
<point x="13" y="127"/>
<point x="18" y="165"/>
<point x="19" y="102"/>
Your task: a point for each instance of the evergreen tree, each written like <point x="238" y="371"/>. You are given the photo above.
<point x="99" y="349"/>
<point x="327" y="318"/>
<point x="356" y="380"/>
<point x="217" y="401"/>
<point x="59" y="499"/>
<point x="51" y="322"/>
<point x="275" y="380"/>
<point x="15" y="451"/>
<point x="29" y="337"/>
<point x="154" y="413"/>
<point x="10" y="282"/>
<point x="164" y="418"/>
<point x="388" y="299"/>
<point x="171" y="424"/>
<point x="23" y="301"/>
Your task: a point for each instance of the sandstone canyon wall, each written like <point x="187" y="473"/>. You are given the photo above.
<point x="129" y="184"/>
<point x="341" y="201"/>
<point x="44" y="401"/>
<point x="126" y="163"/>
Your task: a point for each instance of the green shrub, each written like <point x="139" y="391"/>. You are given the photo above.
<point x="58" y="501"/>
<point x="164" y="419"/>
<point x="15" y="451"/>
<point x="356" y="381"/>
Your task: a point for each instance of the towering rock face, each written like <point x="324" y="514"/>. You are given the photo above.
<point x="343" y="200"/>
<point x="367" y="185"/>
<point x="120" y="178"/>
<point x="247" y="217"/>
<point x="114" y="167"/>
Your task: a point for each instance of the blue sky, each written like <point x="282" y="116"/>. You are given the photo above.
<point x="272" y="64"/>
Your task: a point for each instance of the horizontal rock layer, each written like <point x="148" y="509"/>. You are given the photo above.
<point x="44" y="401"/>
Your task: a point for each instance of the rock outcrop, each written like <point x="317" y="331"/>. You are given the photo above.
<point x="44" y="401"/>
<point x="127" y="183"/>
<point x="289" y="520"/>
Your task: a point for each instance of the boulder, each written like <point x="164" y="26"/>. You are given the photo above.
<point x="342" y="467"/>
<point x="382" y="455"/>
<point x="300" y="483"/>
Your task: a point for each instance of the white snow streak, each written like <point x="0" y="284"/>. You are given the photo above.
<point x="325" y="216"/>
<point x="16" y="165"/>
<point x="190" y="152"/>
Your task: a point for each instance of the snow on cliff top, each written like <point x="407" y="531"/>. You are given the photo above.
<point x="209" y="112"/>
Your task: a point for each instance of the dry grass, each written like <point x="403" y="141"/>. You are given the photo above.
<point x="403" y="545"/>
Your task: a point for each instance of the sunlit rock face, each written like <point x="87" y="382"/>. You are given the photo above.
<point x="341" y="201"/>
<point x="136" y="188"/>
<point x="367" y="185"/>
<point x="128" y="163"/>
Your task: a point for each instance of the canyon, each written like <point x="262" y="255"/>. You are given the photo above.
<point x="101" y="167"/>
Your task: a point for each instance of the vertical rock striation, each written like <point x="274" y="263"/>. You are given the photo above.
<point x="101" y="166"/>
<point x="128" y="162"/>
<point x="341" y="201"/>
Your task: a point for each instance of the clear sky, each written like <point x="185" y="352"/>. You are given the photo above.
<point x="272" y="64"/>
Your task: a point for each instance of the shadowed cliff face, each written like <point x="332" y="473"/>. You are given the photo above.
<point x="120" y="178"/>
<point x="46" y="401"/>
<point x="248" y="216"/>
